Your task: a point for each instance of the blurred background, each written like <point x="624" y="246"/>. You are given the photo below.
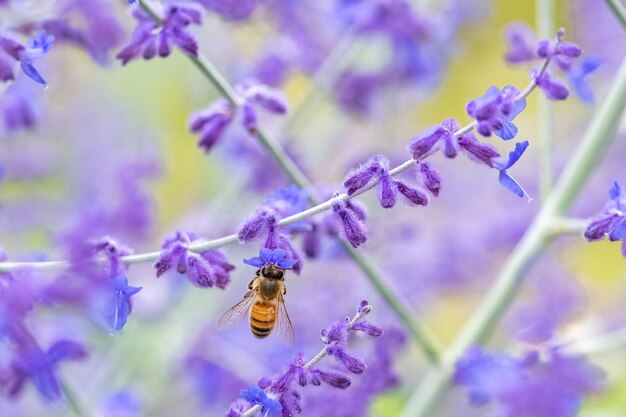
<point x="111" y="143"/>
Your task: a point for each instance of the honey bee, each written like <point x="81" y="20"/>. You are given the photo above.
<point x="265" y="304"/>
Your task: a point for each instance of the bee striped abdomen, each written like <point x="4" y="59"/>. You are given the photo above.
<point x="263" y="316"/>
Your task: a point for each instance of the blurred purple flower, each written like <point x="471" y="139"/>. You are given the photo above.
<point x="577" y="77"/>
<point x="611" y="221"/>
<point x="151" y="38"/>
<point x="19" y="107"/>
<point x="12" y="50"/>
<point x="355" y="91"/>
<point x="91" y="25"/>
<point x="124" y="403"/>
<point x="270" y="407"/>
<point x="31" y="363"/>
<point x="231" y="10"/>
<point x="527" y="386"/>
<point x="206" y="269"/>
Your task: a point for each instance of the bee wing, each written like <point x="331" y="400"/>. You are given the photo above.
<point x="238" y="312"/>
<point x="285" y="328"/>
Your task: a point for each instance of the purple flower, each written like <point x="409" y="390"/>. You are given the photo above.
<point x="365" y="173"/>
<point x="553" y="88"/>
<point x="124" y="403"/>
<point x="436" y="138"/>
<point x="211" y="123"/>
<point x="477" y="151"/>
<point x="231" y="10"/>
<point x="12" y="50"/>
<point x="36" y="48"/>
<point x="495" y="111"/>
<point x="32" y="363"/>
<point x="502" y="165"/>
<point x="352" y="229"/>
<point x="355" y="92"/>
<point x="90" y="25"/>
<point x="19" y="107"/>
<point x="611" y="222"/>
<point x="577" y="77"/>
<point x="205" y="269"/>
<point x="270" y="407"/>
<point x="283" y="203"/>
<point x="430" y="177"/>
<point x="271" y="257"/>
<point x="151" y="38"/>
<point x="119" y="306"/>
<point x="527" y="386"/>
<point x="522" y="44"/>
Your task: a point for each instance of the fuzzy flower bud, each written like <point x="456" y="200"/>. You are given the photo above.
<point x="352" y="229"/>
<point x="430" y="177"/>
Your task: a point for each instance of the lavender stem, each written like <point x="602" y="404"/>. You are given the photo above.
<point x="618" y="10"/>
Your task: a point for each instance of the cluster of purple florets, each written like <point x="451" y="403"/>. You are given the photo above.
<point x="277" y="397"/>
<point x="610" y="223"/>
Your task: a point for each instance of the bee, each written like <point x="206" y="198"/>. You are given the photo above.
<point x="264" y="303"/>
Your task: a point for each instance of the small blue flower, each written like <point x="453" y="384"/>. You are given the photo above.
<point x="502" y="165"/>
<point x="495" y="111"/>
<point x="118" y="307"/>
<point x="269" y="256"/>
<point x="36" y="48"/>
<point x="577" y="76"/>
<point x="271" y="407"/>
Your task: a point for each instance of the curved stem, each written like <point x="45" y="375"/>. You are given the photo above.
<point x="595" y="140"/>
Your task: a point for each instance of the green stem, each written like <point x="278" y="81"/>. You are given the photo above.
<point x="422" y="336"/>
<point x="618" y="10"/>
<point x="545" y="110"/>
<point x="72" y="400"/>
<point x="595" y="140"/>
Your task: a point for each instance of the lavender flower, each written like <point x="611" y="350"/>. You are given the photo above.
<point x="283" y="203"/>
<point x="577" y="77"/>
<point x="151" y="38"/>
<point x="502" y="165"/>
<point x="31" y="363"/>
<point x="271" y="257"/>
<point x="495" y="111"/>
<point x="352" y="229"/>
<point x="11" y="49"/>
<point x="211" y="123"/>
<point x="205" y="269"/>
<point x="523" y="47"/>
<point x="276" y="397"/>
<point x="528" y="385"/>
<point x="231" y="10"/>
<point x="611" y="221"/>
<point x="430" y="177"/>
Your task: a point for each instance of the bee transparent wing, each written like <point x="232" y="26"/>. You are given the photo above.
<point x="285" y="328"/>
<point x="238" y="312"/>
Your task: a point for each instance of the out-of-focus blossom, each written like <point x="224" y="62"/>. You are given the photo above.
<point x="206" y="269"/>
<point x="611" y="221"/>
<point x="231" y="10"/>
<point x="31" y="363"/>
<point x="19" y="107"/>
<point x="12" y="50"/>
<point x="211" y="123"/>
<point x="91" y="25"/>
<point x="553" y="387"/>
<point x="119" y="305"/>
<point x="577" y="77"/>
<point x="124" y="403"/>
<point x="151" y="38"/>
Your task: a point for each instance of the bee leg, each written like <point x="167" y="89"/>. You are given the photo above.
<point x="284" y="290"/>
<point x="250" y="285"/>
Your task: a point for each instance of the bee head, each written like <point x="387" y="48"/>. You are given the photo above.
<point x="272" y="271"/>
